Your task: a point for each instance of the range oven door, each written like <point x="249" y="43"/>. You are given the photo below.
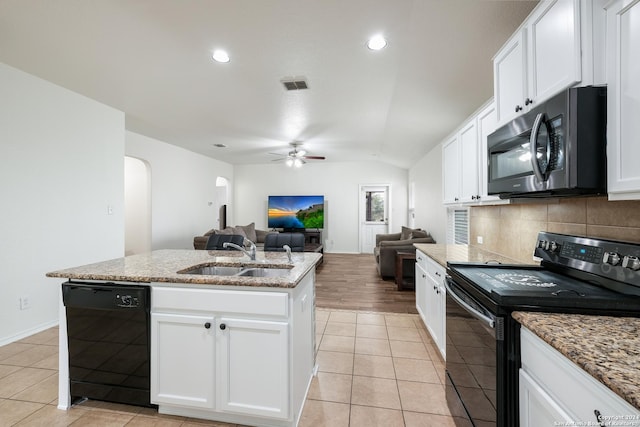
<point x="474" y="354"/>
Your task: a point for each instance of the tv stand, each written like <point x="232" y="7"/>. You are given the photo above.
<point x="314" y="237"/>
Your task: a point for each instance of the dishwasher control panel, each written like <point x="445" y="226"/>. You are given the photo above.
<point x="126" y="300"/>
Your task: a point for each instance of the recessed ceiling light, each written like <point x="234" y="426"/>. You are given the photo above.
<point x="377" y="42"/>
<point x="220" y="56"/>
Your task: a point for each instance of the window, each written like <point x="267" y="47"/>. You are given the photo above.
<point x="375" y="206"/>
<point x="458" y="226"/>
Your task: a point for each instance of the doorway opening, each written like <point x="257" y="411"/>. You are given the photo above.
<point x="137" y="206"/>
<point x="221" y="201"/>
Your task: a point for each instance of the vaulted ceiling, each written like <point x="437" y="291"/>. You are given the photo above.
<point x="152" y="60"/>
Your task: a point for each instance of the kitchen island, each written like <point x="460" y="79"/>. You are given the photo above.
<point x="232" y="339"/>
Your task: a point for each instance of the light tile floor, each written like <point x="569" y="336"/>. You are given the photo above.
<point x="375" y="369"/>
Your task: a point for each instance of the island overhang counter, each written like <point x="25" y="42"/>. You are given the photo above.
<point x="236" y="347"/>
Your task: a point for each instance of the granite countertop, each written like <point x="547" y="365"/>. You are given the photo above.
<point x="461" y="253"/>
<point x="163" y="266"/>
<point x="608" y="348"/>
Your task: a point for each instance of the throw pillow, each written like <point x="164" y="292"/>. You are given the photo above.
<point x="418" y="234"/>
<point x="239" y="231"/>
<point x="405" y="233"/>
<point x="249" y="231"/>
<point x="228" y="230"/>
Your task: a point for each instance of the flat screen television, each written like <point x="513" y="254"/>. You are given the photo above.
<point x="295" y="212"/>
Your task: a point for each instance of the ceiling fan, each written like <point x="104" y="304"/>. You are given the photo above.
<point x="297" y="156"/>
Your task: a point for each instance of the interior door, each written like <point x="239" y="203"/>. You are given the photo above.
<point x="374" y="214"/>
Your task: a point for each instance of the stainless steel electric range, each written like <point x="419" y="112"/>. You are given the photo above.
<point x="575" y="275"/>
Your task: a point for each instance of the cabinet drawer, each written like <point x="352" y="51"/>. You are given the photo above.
<point x="435" y="270"/>
<point x="574" y="390"/>
<point x="221" y="301"/>
<point x="421" y="259"/>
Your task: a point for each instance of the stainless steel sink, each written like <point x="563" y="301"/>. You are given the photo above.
<point x="264" y="272"/>
<point x="214" y="270"/>
<point x="223" y="270"/>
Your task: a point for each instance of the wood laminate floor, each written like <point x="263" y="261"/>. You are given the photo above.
<point x="351" y="282"/>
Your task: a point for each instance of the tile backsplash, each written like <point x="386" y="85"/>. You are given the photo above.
<point x="511" y="230"/>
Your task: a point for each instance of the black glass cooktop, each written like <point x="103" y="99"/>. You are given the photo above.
<point x="536" y="286"/>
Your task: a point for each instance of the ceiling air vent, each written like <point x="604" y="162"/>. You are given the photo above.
<point x="295" y="84"/>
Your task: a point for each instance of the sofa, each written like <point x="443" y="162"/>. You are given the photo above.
<point x="248" y="231"/>
<point x="387" y="245"/>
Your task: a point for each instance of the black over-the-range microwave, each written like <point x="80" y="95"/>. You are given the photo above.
<point x="557" y="148"/>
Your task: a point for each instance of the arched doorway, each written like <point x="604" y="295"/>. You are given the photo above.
<point x="222" y="202"/>
<point x="137" y="206"/>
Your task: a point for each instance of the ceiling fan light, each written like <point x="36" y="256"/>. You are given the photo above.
<point x="221" y="56"/>
<point x="298" y="163"/>
<point x="377" y="42"/>
<point x="301" y="153"/>
<point x="289" y="162"/>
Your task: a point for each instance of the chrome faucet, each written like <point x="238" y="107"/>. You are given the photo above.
<point x="287" y="249"/>
<point x="251" y="253"/>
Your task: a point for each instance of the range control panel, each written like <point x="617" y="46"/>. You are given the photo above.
<point x="616" y="260"/>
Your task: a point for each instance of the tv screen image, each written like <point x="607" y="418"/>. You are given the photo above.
<point x="296" y="212"/>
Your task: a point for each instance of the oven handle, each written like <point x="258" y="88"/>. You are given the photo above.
<point x="475" y="313"/>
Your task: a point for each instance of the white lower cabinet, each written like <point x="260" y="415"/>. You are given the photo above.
<point x="537" y="408"/>
<point x="252" y="367"/>
<point x="236" y="356"/>
<point x="431" y="298"/>
<point x="555" y="391"/>
<point x="182" y="355"/>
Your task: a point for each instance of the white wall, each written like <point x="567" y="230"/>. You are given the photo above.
<point x="61" y="167"/>
<point x="183" y="190"/>
<point x="430" y="213"/>
<point x="338" y="182"/>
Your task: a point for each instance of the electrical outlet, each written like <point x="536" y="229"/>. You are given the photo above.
<point x="25" y="302"/>
<point x="480" y="240"/>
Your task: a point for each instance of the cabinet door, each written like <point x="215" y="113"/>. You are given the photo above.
<point x="623" y="108"/>
<point x="537" y="408"/>
<point x="487" y="121"/>
<point x="421" y="289"/>
<point x="553" y="42"/>
<point x="252" y="367"/>
<point x="468" y="140"/>
<point x="451" y="171"/>
<point x="509" y="78"/>
<point x="433" y="316"/>
<point x="182" y="360"/>
<point x="441" y="295"/>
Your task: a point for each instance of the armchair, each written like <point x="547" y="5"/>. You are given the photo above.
<point x="387" y="245"/>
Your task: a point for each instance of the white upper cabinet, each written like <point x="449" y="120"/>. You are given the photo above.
<point x="509" y="77"/>
<point x="468" y="140"/>
<point x="553" y="36"/>
<point x="554" y="49"/>
<point x="460" y="165"/>
<point x="451" y="171"/>
<point x="464" y="159"/>
<point x="623" y="106"/>
<point x="486" y="124"/>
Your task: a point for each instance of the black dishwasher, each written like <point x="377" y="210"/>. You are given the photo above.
<point x="109" y="341"/>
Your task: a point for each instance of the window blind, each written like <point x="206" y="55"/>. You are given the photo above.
<point x="458" y="226"/>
